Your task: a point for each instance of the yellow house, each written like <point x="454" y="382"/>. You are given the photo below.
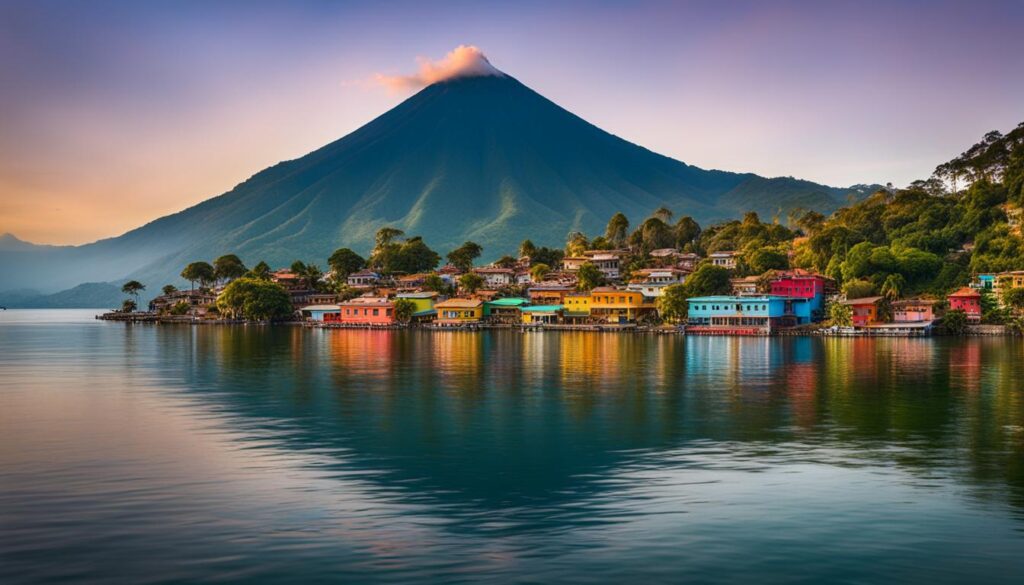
<point x="542" y="314"/>
<point x="577" y="305"/>
<point x="459" y="311"/>
<point x="612" y="305"/>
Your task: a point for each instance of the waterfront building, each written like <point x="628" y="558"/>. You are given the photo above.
<point x="577" y="308"/>
<point x="746" y="314"/>
<point x="967" y="300"/>
<point x="454" y="312"/>
<point x="423" y="301"/>
<point x="804" y="285"/>
<point x="651" y="282"/>
<point x="542" y="314"/>
<point x="866" y="311"/>
<point x="505" y="310"/>
<point x="318" y="312"/>
<point x="198" y="301"/>
<point x="724" y="259"/>
<point x="614" y="305"/>
<point x="914" y="311"/>
<point x="363" y="311"/>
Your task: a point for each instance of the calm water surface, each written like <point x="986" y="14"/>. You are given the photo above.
<point x="152" y="454"/>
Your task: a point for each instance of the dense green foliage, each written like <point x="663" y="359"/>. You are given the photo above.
<point x="228" y="267"/>
<point x="344" y="262"/>
<point x="201" y="272"/>
<point x="394" y="256"/>
<point x="253" y="299"/>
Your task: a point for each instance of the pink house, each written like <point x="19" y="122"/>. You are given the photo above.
<point x="967" y="300"/>
<point x="363" y="311"/>
<point x="914" y="311"/>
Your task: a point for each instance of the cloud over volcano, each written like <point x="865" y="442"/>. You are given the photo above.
<point x="463" y="61"/>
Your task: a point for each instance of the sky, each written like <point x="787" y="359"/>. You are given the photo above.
<point x="113" y="114"/>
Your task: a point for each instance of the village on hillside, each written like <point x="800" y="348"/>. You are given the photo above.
<point x="617" y="281"/>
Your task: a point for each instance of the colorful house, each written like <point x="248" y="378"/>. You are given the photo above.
<point x="967" y="300"/>
<point x="318" y="312"/>
<point x="506" y="310"/>
<point x="652" y="281"/>
<point x="363" y="311"/>
<point x="542" y="314"/>
<point x="423" y="302"/>
<point x="745" y="314"/>
<point x="745" y="286"/>
<point x="613" y="305"/>
<point x="495" y="277"/>
<point x="549" y="294"/>
<point x="454" y="312"/>
<point x="866" y="311"/>
<point x="577" y="308"/>
<point x="914" y="311"/>
<point x="804" y="285"/>
<point x="363" y="279"/>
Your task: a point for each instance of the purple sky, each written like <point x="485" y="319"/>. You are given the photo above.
<point x="112" y="114"/>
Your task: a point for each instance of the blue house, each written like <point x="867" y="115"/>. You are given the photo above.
<point x="760" y="314"/>
<point x="317" y="312"/>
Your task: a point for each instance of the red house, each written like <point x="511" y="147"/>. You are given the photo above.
<point x="800" y="284"/>
<point x="967" y="300"/>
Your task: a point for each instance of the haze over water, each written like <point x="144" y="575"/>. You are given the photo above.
<point x="155" y="454"/>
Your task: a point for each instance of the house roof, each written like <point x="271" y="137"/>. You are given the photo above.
<point x="321" y="308"/>
<point x="543" y="308"/>
<point x="861" y="301"/>
<point x="906" y="302"/>
<point x="428" y="294"/>
<point x="459" y="304"/>
<point x="966" y="292"/>
<point x="509" y="302"/>
<point x="363" y="301"/>
<point x="736" y="299"/>
<point x="662" y="252"/>
<point x="493" y="270"/>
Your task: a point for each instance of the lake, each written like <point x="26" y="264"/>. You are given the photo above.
<point x="171" y="453"/>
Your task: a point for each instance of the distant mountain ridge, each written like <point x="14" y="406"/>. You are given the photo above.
<point x="474" y="158"/>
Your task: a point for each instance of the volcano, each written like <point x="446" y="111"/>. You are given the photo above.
<point x="481" y="158"/>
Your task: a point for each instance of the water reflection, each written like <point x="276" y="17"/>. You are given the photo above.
<point x="290" y="454"/>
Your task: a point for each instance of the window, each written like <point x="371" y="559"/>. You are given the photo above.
<point x="376" y="312"/>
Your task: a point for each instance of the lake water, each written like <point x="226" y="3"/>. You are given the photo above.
<point x="151" y="454"/>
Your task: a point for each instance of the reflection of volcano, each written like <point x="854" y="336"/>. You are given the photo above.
<point x="532" y="422"/>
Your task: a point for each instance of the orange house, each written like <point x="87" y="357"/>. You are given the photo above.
<point x="363" y="311"/>
<point x="865" y="311"/>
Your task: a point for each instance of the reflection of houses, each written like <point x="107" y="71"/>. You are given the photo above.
<point x="724" y="259"/>
<point x="745" y="315"/>
<point x="363" y="311"/>
<point x="459" y="312"/>
<point x="866" y="311"/>
<point x="652" y="281"/>
<point x="967" y="300"/>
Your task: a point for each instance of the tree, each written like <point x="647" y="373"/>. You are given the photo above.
<point x="576" y="244"/>
<point x="471" y="282"/>
<point x="617" y="230"/>
<point x="858" y="289"/>
<point x="310" y="274"/>
<point x="463" y="256"/>
<point x="404" y="308"/>
<point x="1014" y="298"/>
<point x="663" y="213"/>
<point x="228" y="267"/>
<point x="344" y="262"/>
<point x="687" y="231"/>
<point x="840" y="315"/>
<point x="672" y="304"/>
<point x="955" y="321"/>
<point x="201" y="272"/>
<point x="506" y="262"/>
<point x="761" y="260"/>
<point x="435" y="283"/>
<point x="168" y="289"/>
<point x="527" y="249"/>
<point x="539" y="271"/>
<point x="253" y="299"/>
<point x="128" y="306"/>
<point x="260" y="272"/>
<point x="652" y="234"/>
<point x="384" y="237"/>
<point x="588" y="276"/>
<point x="408" y="257"/>
<point x="133" y="287"/>
<point x="707" y="280"/>
<point x="893" y="286"/>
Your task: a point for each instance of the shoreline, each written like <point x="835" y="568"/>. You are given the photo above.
<point x="972" y="331"/>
